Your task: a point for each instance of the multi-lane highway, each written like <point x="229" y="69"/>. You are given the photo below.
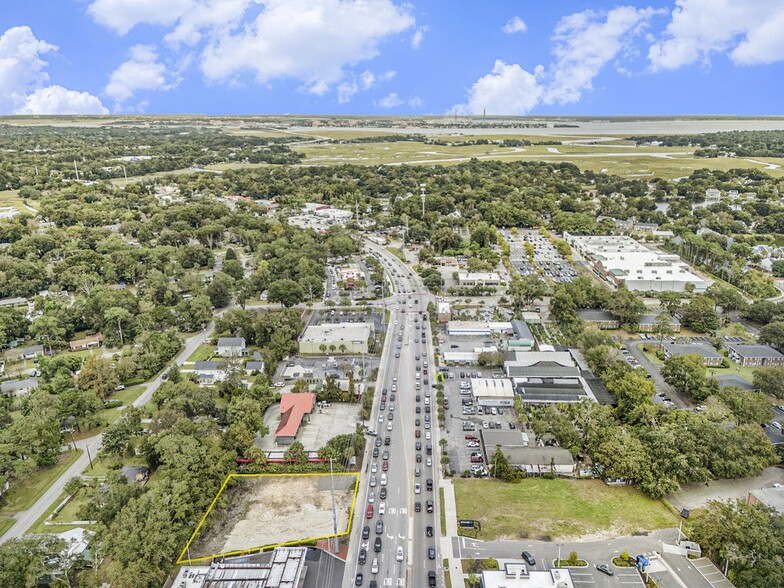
<point x="398" y="464"/>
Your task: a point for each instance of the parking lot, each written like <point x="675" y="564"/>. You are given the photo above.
<point x="463" y="412"/>
<point x="587" y="577"/>
<point x="546" y="259"/>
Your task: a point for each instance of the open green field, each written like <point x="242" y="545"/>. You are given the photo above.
<point x="10" y="198"/>
<point x="24" y="494"/>
<point x="620" y="158"/>
<point x="557" y="509"/>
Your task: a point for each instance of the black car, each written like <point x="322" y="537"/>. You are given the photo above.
<point x="366" y="532"/>
<point x="379" y="527"/>
<point x="362" y="557"/>
<point x="430" y="506"/>
<point x="373" y="584"/>
<point x="431" y="552"/>
<point x="359" y="579"/>
<point x="387" y="440"/>
<point x="428" y="531"/>
<point x="417" y="507"/>
<point x="431" y="579"/>
<point x="383" y="495"/>
<point x="529" y="559"/>
<point x="375" y="452"/>
<point x="377" y="545"/>
<point x="605" y="569"/>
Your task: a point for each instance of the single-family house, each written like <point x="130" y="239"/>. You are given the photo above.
<point x="231" y="347"/>
<point x="18" y="387"/>
<point x="136" y="474"/>
<point x="91" y="342"/>
<point x="254" y="366"/>
<point x="755" y="355"/>
<point x="210" y="372"/>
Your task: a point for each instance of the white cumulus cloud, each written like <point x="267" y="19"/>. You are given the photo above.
<point x="749" y="32"/>
<point x="57" y="100"/>
<point x="23" y="79"/>
<point x="142" y="71"/>
<point x="308" y="40"/>
<point x="391" y="100"/>
<point x="515" y="25"/>
<point x="418" y="37"/>
<point x="507" y="89"/>
<point x="585" y="42"/>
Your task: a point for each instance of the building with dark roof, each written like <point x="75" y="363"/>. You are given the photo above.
<point x="600" y="318"/>
<point x="755" y="355"/>
<point x="736" y="381"/>
<point x="647" y="323"/>
<point x="710" y="356"/>
<point x="523" y="338"/>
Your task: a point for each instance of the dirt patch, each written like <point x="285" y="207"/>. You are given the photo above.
<point x="265" y="510"/>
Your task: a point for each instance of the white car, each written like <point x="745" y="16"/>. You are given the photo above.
<point x="417" y="488"/>
<point x="399" y="555"/>
<point x="372" y="497"/>
<point x="380" y="418"/>
<point x="382" y="508"/>
<point x="428" y="435"/>
<point x="383" y="479"/>
<point x="374" y="468"/>
<point x="389" y="426"/>
<point x="429" y="462"/>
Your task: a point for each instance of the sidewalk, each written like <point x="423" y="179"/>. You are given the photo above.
<point x="450" y="512"/>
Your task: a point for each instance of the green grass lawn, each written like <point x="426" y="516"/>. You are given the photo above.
<point x="539" y="509"/>
<point x="397" y="252"/>
<point x="202" y="353"/>
<point x="5" y="524"/>
<point x="24" y="495"/>
<point x="70" y="512"/>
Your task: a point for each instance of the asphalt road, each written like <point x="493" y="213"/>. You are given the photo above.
<point x="403" y="526"/>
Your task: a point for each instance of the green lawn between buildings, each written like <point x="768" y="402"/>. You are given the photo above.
<point x="537" y="508"/>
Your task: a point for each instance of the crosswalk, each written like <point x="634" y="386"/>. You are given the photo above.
<point x="394" y="582"/>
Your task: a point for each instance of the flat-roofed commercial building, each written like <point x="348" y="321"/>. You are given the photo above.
<point x="328" y="339"/>
<point x="478" y="328"/>
<point x="623" y="261"/>
<point x="492" y="391"/>
<point x="471" y="279"/>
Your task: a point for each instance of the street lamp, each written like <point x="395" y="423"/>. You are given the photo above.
<point x="558" y="563"/>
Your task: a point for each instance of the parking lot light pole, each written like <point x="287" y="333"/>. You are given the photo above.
<point x="558" y="563"/>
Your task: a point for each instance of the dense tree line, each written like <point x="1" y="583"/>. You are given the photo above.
<point x="722" y="144"/>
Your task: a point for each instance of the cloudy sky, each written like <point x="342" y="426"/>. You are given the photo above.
<point x="392" y="57"/>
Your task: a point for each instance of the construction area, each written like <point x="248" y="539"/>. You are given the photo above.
<point x="259" y="511"/>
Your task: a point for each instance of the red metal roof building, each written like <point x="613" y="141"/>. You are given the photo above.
<point x="293" y="408"/>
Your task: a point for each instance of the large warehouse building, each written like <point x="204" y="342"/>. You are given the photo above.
<point x="492" y="391"/>
<point x="622" y="260"/>
<point x="328" y="339"/>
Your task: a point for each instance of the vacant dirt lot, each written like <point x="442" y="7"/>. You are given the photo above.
<point x="264" y="510"/>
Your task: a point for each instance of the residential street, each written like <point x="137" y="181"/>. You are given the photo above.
<point x="27" y="518"/>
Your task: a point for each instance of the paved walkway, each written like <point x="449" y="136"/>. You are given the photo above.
<point x="450" y="511"/>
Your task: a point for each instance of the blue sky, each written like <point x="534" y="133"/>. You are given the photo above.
<point x="567" y="57"/>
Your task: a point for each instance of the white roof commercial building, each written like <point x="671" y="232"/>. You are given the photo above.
<point x="492" y="391"/>
<point x="622" y="260"/>
<point x="478" y="328"/>
<point x="470" y="279"/>
<point x="518" y="575"/>
<point x="339" y="337"/>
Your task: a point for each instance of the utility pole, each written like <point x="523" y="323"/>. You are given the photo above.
<point x="334" y="511"/>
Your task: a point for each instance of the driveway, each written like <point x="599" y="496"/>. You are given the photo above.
<point x="655" y="371"/>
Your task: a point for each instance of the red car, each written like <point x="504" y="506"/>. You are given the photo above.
<point x="369" y="513"/>
<point x="417" y="433"/>
<point x="477" y="459"/>
<point x="385" y="466"/>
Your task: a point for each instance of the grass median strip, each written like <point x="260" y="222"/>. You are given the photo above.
<point x="538" y="508"/>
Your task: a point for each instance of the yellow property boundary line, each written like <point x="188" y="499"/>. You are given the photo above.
<point x="182" y="560"/>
